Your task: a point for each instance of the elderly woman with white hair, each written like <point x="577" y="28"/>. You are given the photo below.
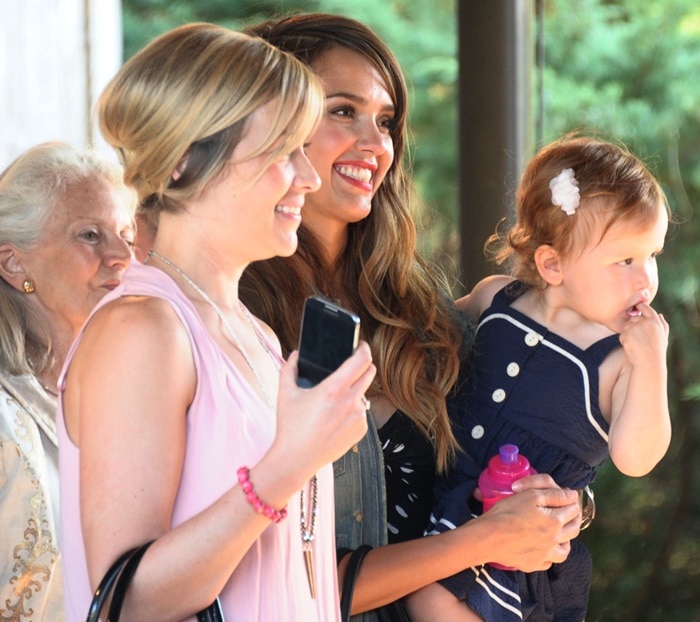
<point x="66" y="235"/>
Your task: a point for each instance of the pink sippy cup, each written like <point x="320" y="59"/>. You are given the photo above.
<point x="496" y="480"/>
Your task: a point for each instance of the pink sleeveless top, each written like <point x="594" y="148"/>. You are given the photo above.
<point x="228" y="426"/>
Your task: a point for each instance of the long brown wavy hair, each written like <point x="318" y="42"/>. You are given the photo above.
<point x="403" y="302"/>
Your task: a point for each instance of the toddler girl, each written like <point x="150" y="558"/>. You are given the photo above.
<point x="568" y="363"/>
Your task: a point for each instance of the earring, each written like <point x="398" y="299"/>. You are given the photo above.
<point x="28" y="286"/>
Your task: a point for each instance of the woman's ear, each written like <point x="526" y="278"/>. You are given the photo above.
<point x="11" y="268"/>
<point x="548" y="262"/>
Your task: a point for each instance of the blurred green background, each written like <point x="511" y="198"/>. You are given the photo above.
<point x="627" y="70"/>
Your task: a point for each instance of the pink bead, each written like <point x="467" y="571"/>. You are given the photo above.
<point x="258" y="505"/>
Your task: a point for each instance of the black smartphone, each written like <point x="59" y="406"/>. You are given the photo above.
<point x="329" y="335"/>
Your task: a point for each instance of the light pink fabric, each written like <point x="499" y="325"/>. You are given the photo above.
<point x="227" y="426"/>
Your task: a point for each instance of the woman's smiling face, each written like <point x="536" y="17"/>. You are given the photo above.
<point x="352" y="149"/>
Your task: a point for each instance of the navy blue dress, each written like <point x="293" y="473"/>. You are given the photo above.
<point x="526" y="386"/>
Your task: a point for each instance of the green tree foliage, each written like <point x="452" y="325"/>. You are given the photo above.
<point x="627" y="70"/>
<point x="146" y="19"/>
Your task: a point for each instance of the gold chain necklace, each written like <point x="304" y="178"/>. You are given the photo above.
<point x="308" y="527"/>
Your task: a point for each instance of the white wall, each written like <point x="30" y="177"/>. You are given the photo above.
<point x="55" y="58"/>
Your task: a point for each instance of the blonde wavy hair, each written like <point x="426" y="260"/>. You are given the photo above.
<point x="186" y="97"/>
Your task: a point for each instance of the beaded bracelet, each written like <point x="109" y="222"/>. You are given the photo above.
<point x="258" y="504"/>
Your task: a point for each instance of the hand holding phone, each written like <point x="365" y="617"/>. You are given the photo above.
<point x="333" y="414"/>
<point x="329" y="335"/>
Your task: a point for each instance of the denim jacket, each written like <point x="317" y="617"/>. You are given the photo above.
<point x="360" y="498"/>
<point x="360" y="489"/>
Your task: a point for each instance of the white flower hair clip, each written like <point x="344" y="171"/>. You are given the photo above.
<point x="565" y="192"/>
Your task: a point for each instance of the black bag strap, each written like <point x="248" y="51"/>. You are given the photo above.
<point x="115" y="607"/>
<point x="105" y="587"/>
<point x="351" y="571"/>
<point x="213" y="613"/>
<point x="120" y="573"/>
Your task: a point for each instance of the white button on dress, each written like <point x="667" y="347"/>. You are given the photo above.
<point x="532" y="339"/>
<point x="498" y="395"/>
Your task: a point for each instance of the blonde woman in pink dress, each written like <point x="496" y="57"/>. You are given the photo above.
<point x="180" y="421"/>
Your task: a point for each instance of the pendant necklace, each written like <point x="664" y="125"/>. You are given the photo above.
<point x="308" y="529"/>
<point x="308" y="524"/>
